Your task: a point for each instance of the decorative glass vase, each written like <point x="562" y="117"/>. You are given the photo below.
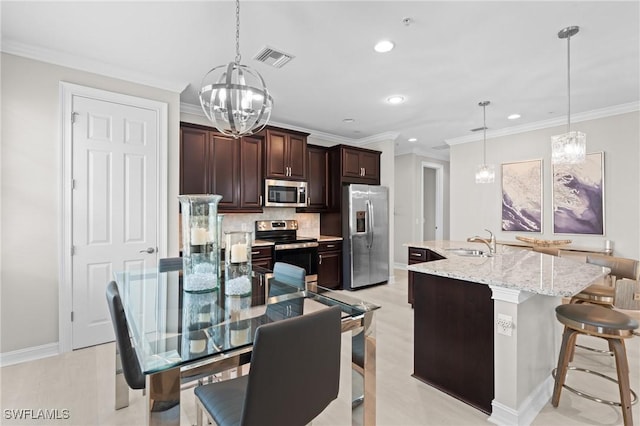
<point x="237" y="272"/>
<point x="199" y="313"/>
<point x="200" y="242"/>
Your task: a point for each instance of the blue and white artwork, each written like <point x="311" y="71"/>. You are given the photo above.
<point x="578" y="196"/>
<point x="522" y="196"/>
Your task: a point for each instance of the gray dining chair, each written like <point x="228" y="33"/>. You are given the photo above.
<point x="294" y="375"/>
<point x="130" y="366"/>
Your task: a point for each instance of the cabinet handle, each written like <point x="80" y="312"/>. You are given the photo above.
<point x="261" y="200"/>
<point x="416" y="254"/>
<point x="255" y="252"/>
<point x="320" y="259"/>
<point x="364" y="171"/>
<point x="330" y="245"/>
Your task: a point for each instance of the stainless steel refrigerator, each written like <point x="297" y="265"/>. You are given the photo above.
<point x="365" y="229"/>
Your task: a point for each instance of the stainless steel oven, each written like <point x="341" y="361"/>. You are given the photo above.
<point x="288" y="247"/>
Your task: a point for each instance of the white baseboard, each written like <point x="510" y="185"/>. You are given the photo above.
<point x="528" y="410"/>
<point x="29" y="354"/>
<point x="397" y="265"/>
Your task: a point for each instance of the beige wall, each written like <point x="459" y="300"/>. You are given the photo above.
<point x="475" y="207"/>
<point x="407" y="209"/>
<point x="30" y="178"/>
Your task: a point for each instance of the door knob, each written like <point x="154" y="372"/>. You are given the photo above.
<point x="148" y="250"/>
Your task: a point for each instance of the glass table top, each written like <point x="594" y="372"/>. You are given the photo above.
<point x="171" y="327"/>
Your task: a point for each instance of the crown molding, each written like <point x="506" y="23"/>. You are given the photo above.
<point x="423" y="152"/>
<point x="554" y="122"/>
<point x="64" y="59"/>
<point x="316" y="134"/>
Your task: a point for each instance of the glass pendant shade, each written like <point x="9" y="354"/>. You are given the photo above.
<point x="234" y="98"/>
<point x="485" y="173"/>
<point x="569" y="148"/>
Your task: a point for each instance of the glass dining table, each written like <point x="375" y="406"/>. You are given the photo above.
<point x="184" y="336"/>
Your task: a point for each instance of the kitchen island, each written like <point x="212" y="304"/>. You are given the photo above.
<point x="484" y="326"/>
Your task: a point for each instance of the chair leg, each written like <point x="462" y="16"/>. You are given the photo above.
<point x="622" y="367"/>
<point x="198" y="413"/>
<point x="566" y="352"/>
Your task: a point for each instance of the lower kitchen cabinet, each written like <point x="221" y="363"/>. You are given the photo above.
<point x="330" y="264"/>
<point x="419" y="255"/>
<point x="260" y="256"/>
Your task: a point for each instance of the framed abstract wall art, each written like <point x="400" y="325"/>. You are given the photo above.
<point x="522" y="196"/>
<point x="578" y="196"/>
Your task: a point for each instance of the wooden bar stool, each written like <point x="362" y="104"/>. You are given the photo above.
<point x="608" y="324"/>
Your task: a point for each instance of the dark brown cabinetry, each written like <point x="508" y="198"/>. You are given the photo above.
<point x="347" y="165"/>
<point x="419" y="255"/>
<point x="454" y="338"/>
<point x="263" y="257"/>
<point x="318" y="185"/>
<point x="360" y="165"/>
<point x="212" y="163"/>
<point x="285" y="154"/>
<point x="330" y="264"/>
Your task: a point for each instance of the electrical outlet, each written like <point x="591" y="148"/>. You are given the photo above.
<point x="636" y="296"/>
<point x="504" y="324"/>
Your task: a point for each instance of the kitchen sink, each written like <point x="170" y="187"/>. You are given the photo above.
<point x="468" y="252"/>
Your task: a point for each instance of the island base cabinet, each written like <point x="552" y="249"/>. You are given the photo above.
<point x="453" y="338"/>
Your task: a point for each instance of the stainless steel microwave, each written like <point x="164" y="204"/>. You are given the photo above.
<point x="285" y="193"/>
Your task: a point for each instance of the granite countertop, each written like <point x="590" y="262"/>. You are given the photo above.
<point x="511" y="267"/>
<point x="259" y="243"/>
<point x="323" y="238"/>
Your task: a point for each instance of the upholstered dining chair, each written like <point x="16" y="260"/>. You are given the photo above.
<point x="131" y="369"/>
<point x="294" y="375"/>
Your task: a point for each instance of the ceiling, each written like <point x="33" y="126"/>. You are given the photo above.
<point x="453" y="55"/>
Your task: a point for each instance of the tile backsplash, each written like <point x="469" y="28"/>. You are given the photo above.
<point x="308" y="223"/>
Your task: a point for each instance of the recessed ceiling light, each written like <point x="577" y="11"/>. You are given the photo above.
<point x="395" y="100"/>
<point x="384" y="46"/>
<point x="412" y="139"/>
<point x="348" y="120"/>
<point x="513" y="116"/>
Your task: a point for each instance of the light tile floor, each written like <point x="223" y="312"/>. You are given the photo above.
<point x="82" y="382"/>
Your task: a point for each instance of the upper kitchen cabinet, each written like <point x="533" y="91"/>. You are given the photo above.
<point x="212" y="163"/>
<point x="318" y="186"/>
<point x="285" y="154"/>
<point x="359" y="165"/>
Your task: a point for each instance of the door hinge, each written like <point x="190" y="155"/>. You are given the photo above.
<point x="73" y="250"/>
<point x="71" y="316"/>
<point x="74" y="115"/>
<point x="73" y="184"/>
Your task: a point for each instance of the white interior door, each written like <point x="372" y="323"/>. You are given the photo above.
<point x="114" y="205"/>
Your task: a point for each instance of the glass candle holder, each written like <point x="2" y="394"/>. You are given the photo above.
<point x="237" y="270"/>
<point x="200" y="242"/>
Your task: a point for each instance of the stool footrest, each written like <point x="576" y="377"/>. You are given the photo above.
<point x="592" y="397"/>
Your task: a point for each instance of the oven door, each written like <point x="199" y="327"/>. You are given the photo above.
<point x="304" y="257"/>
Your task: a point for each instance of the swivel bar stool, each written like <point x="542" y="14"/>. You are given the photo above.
<point x="608" y="324"/>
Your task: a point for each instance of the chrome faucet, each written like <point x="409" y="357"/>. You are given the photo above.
<point x="491" y="242"/>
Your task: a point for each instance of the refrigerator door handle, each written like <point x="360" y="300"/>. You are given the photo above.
<point x="370" y="224"/>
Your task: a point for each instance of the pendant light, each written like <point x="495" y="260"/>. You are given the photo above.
<point x="570" y="147"/>
<point x="234" y="97"/>
<point x="485" y="173"/>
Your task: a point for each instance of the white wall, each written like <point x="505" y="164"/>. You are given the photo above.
<point x="408" y="211"/>
<point x="475" y="207"/>
<point x="30" y="210"/>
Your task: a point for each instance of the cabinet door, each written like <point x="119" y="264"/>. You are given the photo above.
<point x="330" y="269"/>
<point x="370" y="164"/>
<point x="297" y="157"/>
<point x="276" y="163"/>
<point x="258" y="284"/>
<point x="318" y="178"/>
<point x="351" y="163"/>
<point x="193" y="161"/>
<point x="251" y="173"/>
<point x="225" y="173"/>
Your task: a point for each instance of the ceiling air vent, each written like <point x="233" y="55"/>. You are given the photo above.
<point x="273" y="57"/>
